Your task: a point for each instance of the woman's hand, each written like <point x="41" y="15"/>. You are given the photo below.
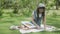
<point x="44" y="22"/>
<point x="38" y="27"/>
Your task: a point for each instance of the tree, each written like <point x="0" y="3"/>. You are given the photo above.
<point x="57" y="4"/>
<point x="15" y="8"/>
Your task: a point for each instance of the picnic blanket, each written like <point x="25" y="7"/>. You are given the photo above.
<point x="30" y="25"/>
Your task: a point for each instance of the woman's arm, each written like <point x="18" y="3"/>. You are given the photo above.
<point x="44" y="22"/>
<point x="34" y="22"/>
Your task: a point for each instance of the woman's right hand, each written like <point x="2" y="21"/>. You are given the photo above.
<point x="38" y="27"/>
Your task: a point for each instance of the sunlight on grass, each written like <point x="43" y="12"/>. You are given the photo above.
<point x="7" y="21"/>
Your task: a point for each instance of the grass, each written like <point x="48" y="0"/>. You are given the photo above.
<point x="6" y="22"/>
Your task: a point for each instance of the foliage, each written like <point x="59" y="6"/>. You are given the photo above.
<point x="26" y="6"/>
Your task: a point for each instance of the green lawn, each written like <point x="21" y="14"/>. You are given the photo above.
<point x="6" y="22"/>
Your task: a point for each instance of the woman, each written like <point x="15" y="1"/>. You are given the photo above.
<point x="39" y="15"/>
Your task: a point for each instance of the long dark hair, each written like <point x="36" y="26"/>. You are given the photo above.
<point x="43" y="13"/>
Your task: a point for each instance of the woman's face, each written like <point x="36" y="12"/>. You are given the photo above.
<point x="40" y="10"/>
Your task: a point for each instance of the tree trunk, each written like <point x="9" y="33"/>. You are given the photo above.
<point x="57" y="4"/>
